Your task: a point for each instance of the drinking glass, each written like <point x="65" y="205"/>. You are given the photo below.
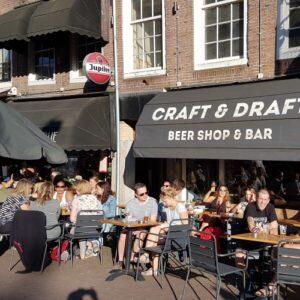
<point x="282" y="229"/>
<point x="266" y="228"/>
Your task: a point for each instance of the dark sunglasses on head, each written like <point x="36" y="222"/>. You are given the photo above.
<point x="143" y="194"/>
<point x="60" y="186"/>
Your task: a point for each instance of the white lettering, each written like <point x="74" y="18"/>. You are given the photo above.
<point x="171" y="111"/>
<point x="256" y="108"/>
<point x="287" y="105"/>
<point x="272" y="109"/>
<point x="194" y="111"/>
<point x="182" y="114"/>
<point x="240" y="110"/>
<point x="204" y="110"/>
<point x="156" y="117"/>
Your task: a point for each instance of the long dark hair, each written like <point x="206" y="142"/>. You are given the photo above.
<point x="106" y="191"/>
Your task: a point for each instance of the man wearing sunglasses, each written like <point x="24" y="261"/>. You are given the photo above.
<point x="137" y="209"/>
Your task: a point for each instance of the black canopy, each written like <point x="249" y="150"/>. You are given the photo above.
<point x="76" y="16"/>
<point x="13" y="24"/>
<point x="73" y="123"/>
<point x="253" y="121"/>
<point x="21" y="139"/>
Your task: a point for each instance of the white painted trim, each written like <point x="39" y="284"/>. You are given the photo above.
<point x="33" y="81"/>
<point x="282" y="46"/>
<point x="5" y="84"/>
<point x="199" y="40"/>
<point x="127" y="40"/>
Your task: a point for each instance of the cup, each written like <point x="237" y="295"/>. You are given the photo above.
<point x="146" y="219"/>
<point x="266" y="228"/>
<point x="282" y="229"/>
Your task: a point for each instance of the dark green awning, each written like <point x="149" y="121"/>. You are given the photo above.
<point x="76" y="16"/>
<point x="14" y="24"/>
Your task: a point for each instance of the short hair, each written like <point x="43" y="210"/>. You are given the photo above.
<point x="178" y="184"/>
<point x="139" y="185"/>
<point x="264" y="191"/>
<point x="168" y="192"/>
<point x="82" y="187"/>
<point x="45" y="192"/>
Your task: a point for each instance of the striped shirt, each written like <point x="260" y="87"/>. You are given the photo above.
<point x="9" y="208"/>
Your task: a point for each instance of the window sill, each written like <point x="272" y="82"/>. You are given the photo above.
<point x="80" y="79"/>
<point x="5" y="84"/>
<point x="221" y="64"/>
<point x="41" y="82"/>
<point x="144" y="73"/>
<point x="288" y="53"/>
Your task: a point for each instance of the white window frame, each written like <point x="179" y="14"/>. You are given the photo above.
<point x="127" y="38"/>
<point x="8" y="84"/>
<point x="199" y="40"/>
<point x="32" y="80"/>
<point x="283" y="51"/>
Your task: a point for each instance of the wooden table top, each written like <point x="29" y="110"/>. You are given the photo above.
<point x="290" y="222"/>
<point x="264" y="237"/>
<point x="129" y="224"/>
<point x="122" y="206"/>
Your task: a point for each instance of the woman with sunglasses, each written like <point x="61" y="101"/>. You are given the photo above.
<point x="61" y="194"/>
<point x="221" y="202"/>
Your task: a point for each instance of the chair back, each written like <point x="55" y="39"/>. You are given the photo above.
<point x="178" y="235"/>
<point x="203" y="251"/>
<point x="87" y="223"/>
<point x="288" y="262"/>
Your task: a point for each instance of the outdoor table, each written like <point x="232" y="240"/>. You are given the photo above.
<point x="121" y="206"/>
<point x="290" y="222"/>
<point x="130" y="227"/>
<point x="263" y="237"/>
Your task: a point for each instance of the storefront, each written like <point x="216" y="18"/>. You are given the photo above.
<point x="240" y="122"/>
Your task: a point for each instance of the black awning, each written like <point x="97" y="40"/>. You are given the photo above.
<point x="13" y="24"/>
<point x="76" y="16"/>
<point x="75" y="124"/>
<point x="252" y="121"/>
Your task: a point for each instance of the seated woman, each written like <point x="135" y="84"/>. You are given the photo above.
<point x="93" y="182"/>
<point x="61" y="194"/>
<point x="174" y="210"/>
<point x="250" y="196"/>
<point x="211" y="194"/>
<point x="221" y="202"/>
<point x="84" y="200"/>
<point x="50" y="207"/>
<point x="19" y="199"/>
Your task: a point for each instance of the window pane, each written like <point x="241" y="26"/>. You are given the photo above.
<point x="149" y="60"/>
<point x="138" y="62"/>
<point x="211" y="51"/>
<point x="209" y="1"/>
<point x="237" y="29"/>
<point x="157" y="7"/>
<point x="148" y="28"/>
<point x="224" y="13"/>
<point x="237" y="47"/>
<point x="224" y="49"/>
<point x="137" y="31"/>
<point x="211" y="34"/>
<point x="294" y="38"/>
<point x="158" y="59"/>
<point x="44" y="64"/>
<point x="294" y="3"/>
<point x="210" y="16"/>
<point x="237" y="10"/>
<point x="146" y="9"/>
<point x="136" y="10"/>
<point x="294" y="18"/>
<point x="149" y="46"/>
<point x="138" y="47"/>
<point x="224" y="31"/>
<point x="158" y="43"/>
<point x="158" y="26"/>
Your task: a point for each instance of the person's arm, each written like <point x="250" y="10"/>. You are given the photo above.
<point x="24" y="206"/>
<point x="272" y="218"/>
<point x="73" y="214"/>
<point x="184" y="216"/>
<point x="274" y="227"/>
<point x="154" y="211"/>
<point x="236" y="209"/>
<point x="207" y="196"/>
<point x="251" y="225"/>
<point x="69" y="196"/>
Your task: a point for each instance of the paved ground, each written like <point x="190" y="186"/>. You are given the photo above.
<point x="87" y="281"/>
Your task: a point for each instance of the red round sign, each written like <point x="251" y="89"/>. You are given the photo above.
<point x="97" y="68"/>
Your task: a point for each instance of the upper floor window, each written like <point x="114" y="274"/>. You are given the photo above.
<point x="288" y="29"/>
<point x="220" y="33"/>
<point x="143" y="37"/>
<point x="5" y="65"/>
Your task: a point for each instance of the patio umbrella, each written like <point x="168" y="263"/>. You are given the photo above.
<point x="21" y="139"/>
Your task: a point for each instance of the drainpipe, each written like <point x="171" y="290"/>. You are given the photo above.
<point x="260" y="75"/>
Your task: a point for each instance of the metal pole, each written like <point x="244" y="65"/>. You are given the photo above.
<point x="116" y="75"/>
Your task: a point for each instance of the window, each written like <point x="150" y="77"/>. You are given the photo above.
<point x="81" y="46"/>
<point x="220" y="33"/>
<point x="143" y="37"/>
<point x="5" y="65"/>
<point x="44" y="64"/>
<point x="288" y="29"/>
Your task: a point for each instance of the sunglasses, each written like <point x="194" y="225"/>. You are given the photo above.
<point x="223" y="190"/>
<point x="143" y="194"/>
<point x="166" y="185"/>
<point x="60" y="186"/>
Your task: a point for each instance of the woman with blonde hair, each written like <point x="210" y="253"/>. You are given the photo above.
<point x="174" y="210"/>
<point x="19" y="199"/>
<point x="50" y="207"/>
<point x="35" y="190"/>
<point x="93" y="182"/>
<point x="85" y="200"/>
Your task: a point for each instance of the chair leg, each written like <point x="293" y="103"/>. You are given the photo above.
<point x="58" y="252"/>
<point x="44" y="257"/>
<point x="71" y="251"/>
<point x="161" y="269"/>
<point x="11" y="258"/>
<point x="100" y="255"/>
<point x="243" y="293"/>
<point x="186" y="281"/>
<point x="137" y="267"/>
<point x="218" y="287"/>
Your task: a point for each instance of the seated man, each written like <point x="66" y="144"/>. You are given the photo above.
<point x="261" y="213"/>
<point x="136" y="209"/>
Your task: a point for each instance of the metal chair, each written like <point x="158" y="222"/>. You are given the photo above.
<point x="288" y="265"/>
<point x="177" y="239"/>
<point x="87" y="227"/>
<point x="204" y="257"/>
